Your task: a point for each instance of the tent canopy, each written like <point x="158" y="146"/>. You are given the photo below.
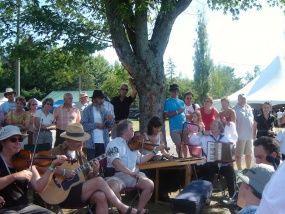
<point x="266" y="87"/>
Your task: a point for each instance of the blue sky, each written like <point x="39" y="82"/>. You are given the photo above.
<point x="255" y="39"/>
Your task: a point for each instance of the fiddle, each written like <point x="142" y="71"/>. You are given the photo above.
<point x="42" y="159"/>
<point x="135" y="143"/>
<point x="149" y="145"/>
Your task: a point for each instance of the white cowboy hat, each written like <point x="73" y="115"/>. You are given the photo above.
<point x="9" y="90"/>
<point x="75" y="131"/>
<point x="8" y="131"/>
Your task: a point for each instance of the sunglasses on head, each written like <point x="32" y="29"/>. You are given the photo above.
<point x="15" y="139"/>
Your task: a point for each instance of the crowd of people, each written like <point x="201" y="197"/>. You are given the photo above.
<point x="90" y="129"/>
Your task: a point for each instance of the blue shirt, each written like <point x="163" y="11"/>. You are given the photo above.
<point x="176" y="121"/>
<point x="5" y="107"/>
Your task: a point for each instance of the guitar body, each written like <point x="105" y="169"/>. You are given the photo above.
<point x="58" y="188"/>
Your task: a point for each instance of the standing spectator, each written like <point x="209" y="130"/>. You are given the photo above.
<point x="208" y="112"/>
<point x="19" y="117"/>
<point x="122" y="105"/>
<point x="244" y="126"/>
<point x="32" y="108"/>
<point x="64" y="115"/>
<point x="281" y="139"/>
<point x="189" y="106"/>
<point x="227" y="114"/>
<point x="96" y="121"/>
<point x="44" y="122"/>
<point x="10" y="104"/>
<point x="174" y="109"/>
<point x="83" y="101"/>
<point x="264" y="122"/>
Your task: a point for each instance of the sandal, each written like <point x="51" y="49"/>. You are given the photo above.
<point x="129" y="211"/>
<point x="144" y="211"/>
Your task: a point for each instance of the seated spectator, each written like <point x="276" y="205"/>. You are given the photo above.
<point x="19" y="117"/>
<point x="254" y="181"/>
<point x="272" y="200"/>
<point x="265" y="146"/>
<point x="208" y="169"/>
<point x="44" y="122"/>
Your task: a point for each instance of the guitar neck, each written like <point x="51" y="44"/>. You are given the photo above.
<point x="89" y="163"/>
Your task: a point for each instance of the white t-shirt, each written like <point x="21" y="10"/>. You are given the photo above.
<point x="46" y="120"/>
<point x="190" y="108"/>
<point x="281" y="139"/>
<point x="97" y="133"/>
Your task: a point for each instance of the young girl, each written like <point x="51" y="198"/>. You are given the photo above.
<point x="195" y="130"/>
<point x="199" y="125"/>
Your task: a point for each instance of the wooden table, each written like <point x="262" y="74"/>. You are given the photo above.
<point x="170" y="164"/>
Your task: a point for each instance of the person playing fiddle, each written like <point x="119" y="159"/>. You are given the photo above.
<point x="14" y="183"/>
<point x="154" y="136"/>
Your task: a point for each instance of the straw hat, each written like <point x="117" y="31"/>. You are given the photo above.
<point x="9" y="90"/>
<point x="75" y="131"/>
<point x="8" y="131"/>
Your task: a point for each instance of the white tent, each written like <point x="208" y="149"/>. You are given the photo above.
<point x="268" y="86"/>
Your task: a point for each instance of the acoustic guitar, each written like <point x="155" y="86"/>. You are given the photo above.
<point x="58" y="188"/>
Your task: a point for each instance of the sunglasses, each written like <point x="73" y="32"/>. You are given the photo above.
<point x="14" y="139"/>
<point x="49" y="104"/>
<point x="9" y="94"/>
<point x="124" y="89"/>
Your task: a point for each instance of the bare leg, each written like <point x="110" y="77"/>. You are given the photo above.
<point x="116" y="187"/>
<point x="99" y="198"/>
<point x="146" y="185"/>
<point x="238" y="162"/>
<point x="186" y="153"/>
<point x="98" y="184"/>
<point x="248" y="161"/>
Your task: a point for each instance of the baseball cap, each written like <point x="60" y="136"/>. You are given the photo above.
<point x="240" y="96"/>
<point x="83" y="94"/>
<point x="173" y="87"/>
<point x="257" y="177"/>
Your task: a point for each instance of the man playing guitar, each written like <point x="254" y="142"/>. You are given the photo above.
<point x="78" y="191"/>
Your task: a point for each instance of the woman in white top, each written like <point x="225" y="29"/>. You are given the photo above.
<point x="44" y="122"/>
<point x="154" y="135"/>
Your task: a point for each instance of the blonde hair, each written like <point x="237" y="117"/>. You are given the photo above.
<point x="198" y="114"/>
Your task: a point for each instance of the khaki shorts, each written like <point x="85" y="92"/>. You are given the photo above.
<point x="124" y="179"/>
<point x="176" y="136"/>
<point x="243" y="147"/>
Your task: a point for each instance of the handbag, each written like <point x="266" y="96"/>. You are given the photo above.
<point x="195" y="151"/>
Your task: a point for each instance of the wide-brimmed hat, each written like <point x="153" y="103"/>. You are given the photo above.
<point x="257" y="177"/>
<point x="8" y="131"/>
<point x="98" y="93"/>
<point x="9" y="90"/>
<point x="83" y="94"/>
<point x="75" y="131"/>
<point x="173" y="87"/>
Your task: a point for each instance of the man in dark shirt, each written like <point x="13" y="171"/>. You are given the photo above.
<point x="122" y="105"/>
